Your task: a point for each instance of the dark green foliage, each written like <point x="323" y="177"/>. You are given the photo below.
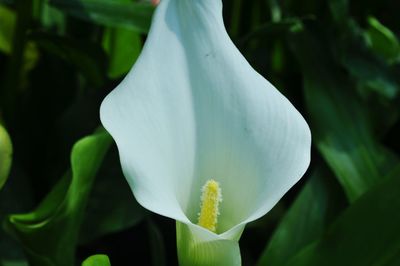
<point x="49" y="233"/>
<point x="342" y="131"/>
<point x="337" y="61"/>
<point x="367" y="233"/>
<point x="136" y="16"/>
<point x="316" y="205"/>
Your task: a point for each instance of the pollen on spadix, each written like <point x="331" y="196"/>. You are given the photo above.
<point x="210" y="198"/>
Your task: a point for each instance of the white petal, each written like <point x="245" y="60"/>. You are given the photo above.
<point x="193" y="109"/>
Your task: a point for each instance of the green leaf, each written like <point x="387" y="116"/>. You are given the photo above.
<point x="373" y="74"/>
<point x="382" y="40"/>
<point x="367" y="233"/>
<point x="97" y="260"/>
<point x="133" y="15"/>
<point x="7" y="25"/>
<point x="374" y="77"/>
<point x="320" y="200"/>
<point x="339" y="121"/>
<point x="375" y="80"/>
<point x="6" y="150"/>
<point x="49" y="234"/>
<point x="353" y="50"/>
<point x="52" y="18"/>
<point x="123" y="47"/>
<point x="111" y="206"/>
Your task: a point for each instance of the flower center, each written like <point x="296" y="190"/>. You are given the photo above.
<point x="210" y="198"/>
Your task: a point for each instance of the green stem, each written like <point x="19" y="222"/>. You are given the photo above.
<point x="256" y="15"/>
<point x="276" y="13"/>
<point x="13" y="71"/>
<point x="37" y="9"/>
<point x="235" y="19"/>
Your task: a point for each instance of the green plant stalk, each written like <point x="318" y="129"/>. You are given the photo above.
<point x="13" y="71"/>
<point x="276" y="14"/>
<point x="37" y="9"/>
<point x="235" y="19"/>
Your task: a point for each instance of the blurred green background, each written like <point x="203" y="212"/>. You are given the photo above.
<point x="64" y="197"/>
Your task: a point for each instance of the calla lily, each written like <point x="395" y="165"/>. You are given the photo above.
<point x="192" y="110"/>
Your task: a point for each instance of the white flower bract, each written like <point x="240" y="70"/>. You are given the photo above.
<point x="192" y="108"/>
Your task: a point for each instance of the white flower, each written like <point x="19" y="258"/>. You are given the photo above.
<point x="192" y="109"/>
